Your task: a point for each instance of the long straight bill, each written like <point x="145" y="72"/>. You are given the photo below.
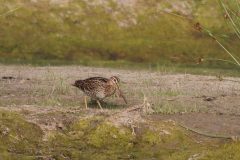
<point x="124" y="98"/>
<point x="121" y="95"/>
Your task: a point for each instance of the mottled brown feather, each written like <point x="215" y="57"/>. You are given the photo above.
<point x="99" y="87"/>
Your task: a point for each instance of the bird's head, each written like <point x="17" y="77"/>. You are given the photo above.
<point x="114" y="81"/>
<point x="76" y="84"/>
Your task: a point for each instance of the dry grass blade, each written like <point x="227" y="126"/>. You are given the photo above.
<point x="10" y="11"/>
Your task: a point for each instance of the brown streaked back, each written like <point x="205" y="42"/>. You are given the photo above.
<point x="90" y="83"/>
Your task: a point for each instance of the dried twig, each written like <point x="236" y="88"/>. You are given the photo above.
<point x="209" y="135"/>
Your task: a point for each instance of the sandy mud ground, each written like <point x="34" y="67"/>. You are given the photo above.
<point x="44" y="96"/>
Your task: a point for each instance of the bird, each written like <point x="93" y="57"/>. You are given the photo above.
<point x="99" y="88"/>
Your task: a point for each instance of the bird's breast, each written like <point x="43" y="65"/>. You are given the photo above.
<point x="100" y="95"/>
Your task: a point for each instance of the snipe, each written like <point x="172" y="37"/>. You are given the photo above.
<point x="99" y="88"/>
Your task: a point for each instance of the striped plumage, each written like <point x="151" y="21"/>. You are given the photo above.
<point x="99" y="87"/>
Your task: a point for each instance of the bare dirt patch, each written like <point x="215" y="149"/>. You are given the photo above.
<point x="43" y="95"/>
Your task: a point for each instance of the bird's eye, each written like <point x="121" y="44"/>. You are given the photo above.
<point x="115" y="80"/>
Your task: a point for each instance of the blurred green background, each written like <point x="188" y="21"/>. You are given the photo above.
<point x="110" y="32"/>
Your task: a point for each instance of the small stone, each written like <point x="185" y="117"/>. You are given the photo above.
<point x="22" y="81"/>
<point x="61" y="125"/>
<point x="166" y="132"/>
<point x="114" y="136"/>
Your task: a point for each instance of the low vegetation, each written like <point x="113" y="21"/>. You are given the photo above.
<point x="90" y="31"/>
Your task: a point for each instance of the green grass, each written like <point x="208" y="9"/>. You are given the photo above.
<point x="172" y="67"/>
<point x="228" y="40"/>
<point x="105" y="32"/>
<point x="168" y="108"/>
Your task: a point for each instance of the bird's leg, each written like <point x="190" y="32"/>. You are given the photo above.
<point x="86" y="102"/>
<point x="99" y="104"/>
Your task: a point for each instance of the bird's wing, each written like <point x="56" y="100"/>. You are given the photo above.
<point x="93" y="83"/>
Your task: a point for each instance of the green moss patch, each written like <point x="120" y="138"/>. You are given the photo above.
<point x="93" y="138"/>
<point x="17" y="135"/>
